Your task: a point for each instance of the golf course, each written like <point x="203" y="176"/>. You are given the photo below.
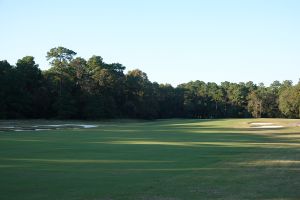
<point x="176" y="159"/>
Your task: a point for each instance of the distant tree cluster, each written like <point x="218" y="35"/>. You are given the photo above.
<point x="75" y="88"/>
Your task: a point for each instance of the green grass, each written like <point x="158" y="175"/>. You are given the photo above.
<point x="157" y="160"/>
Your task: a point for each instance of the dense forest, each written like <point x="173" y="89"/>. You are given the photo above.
<point x="75" y="88"/>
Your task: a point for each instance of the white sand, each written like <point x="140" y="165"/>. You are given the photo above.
<point x="49" y="127"/>
<point x="261" y="124"/>
<point x="264" y="125"/>
<point x="89" y="126"/>
<point x="81" y="125"/>
<point x="268" y="127"/>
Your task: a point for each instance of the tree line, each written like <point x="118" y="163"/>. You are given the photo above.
<point x="75" y="88"/>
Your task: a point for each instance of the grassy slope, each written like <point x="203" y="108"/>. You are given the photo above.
<point x="160" y="160"/>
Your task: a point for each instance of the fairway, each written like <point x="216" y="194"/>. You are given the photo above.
<point x="179" y="159"/>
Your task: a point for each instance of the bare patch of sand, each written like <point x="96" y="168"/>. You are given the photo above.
<point x="47" y="127"/>
<point x="262" y="125"/>
<point x="295" y="124"/>
<point x="268" y="127"/>
<point x="272" y="163"/>
<point x="292" y="136"/>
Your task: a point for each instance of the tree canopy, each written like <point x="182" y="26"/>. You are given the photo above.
<point x="75" y="88"/>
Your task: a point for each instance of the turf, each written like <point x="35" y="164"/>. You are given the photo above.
<point x="155" y="160"/>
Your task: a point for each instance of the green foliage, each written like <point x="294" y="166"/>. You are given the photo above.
<point x="60" y="55"/>
<point x="7" y="89"/>
<point x="255" y="104"/>
<point x="74" y="88"/>
<point x="289" y="101"/>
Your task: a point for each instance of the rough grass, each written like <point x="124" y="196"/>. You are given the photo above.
<point x="157" y="160"/>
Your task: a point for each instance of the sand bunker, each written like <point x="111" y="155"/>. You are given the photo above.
<point x="46" y="127"/>
<point x="265" y="125"/>
<point x="268" y="127"/>
<point x="297" y="124"/>
<point x="66" y="125"/>
<point x="261" y="124"/>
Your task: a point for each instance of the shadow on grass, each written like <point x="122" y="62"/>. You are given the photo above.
<point x="83" y="161"/>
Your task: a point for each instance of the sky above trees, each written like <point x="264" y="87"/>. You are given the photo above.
<point x="173" y="41"/>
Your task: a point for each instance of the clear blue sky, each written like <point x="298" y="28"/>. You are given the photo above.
<point x="172" y="41"/>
